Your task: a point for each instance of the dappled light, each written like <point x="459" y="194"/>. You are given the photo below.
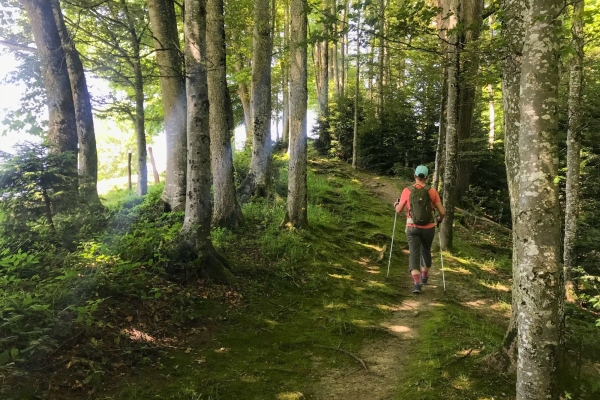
<point x="290" y="396"/>
<point x="495" y="286"/>
<point x="137" y="335"/>
<point x="344" y="277"/>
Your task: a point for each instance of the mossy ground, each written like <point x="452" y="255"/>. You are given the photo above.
<point x="303" y="302"/>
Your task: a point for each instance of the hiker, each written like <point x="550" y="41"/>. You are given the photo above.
<point x="420" y="200"/>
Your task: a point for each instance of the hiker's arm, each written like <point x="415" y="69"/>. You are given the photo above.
<point x="441" y="209"/>
<point x="399" y="206"/>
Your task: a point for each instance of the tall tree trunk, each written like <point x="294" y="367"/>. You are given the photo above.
<point x="297" y="201"/>
<point x="286" y="74"/>
<point x="243" y="92"/>
<point x="573" y="140"/>
<point x="88" y="156"/>
<point x="258" y="180"/>
<point x="170" y="65"/>
<point x="470" y="16"/>
<point x="452" y="112"/>
<point x="512" y="31"/>
<point x="439" y="152"/>
<point x="538" y="222"/>
<point x="226" y="212"/>
<point x="322" y="49"/>
<point x="62" y="126"/>
<point x="335" y="60"/>
<point x="343" y="52"/>
<point x="381" y="59"/>
<point x="356" y="94"/>
<point x="492" y="112"/>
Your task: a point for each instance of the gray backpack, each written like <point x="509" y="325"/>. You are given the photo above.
<point x="420" y="205"/>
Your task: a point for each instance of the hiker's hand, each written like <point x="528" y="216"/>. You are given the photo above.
<point x="396" y="204"/>
<point x="439" y="220"/>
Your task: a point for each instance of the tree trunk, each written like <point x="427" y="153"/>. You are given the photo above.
<point x="439" y="153"/>
<point x="573" y="140"/>
<point x="538" y="225"/>
<point x="88" y="156"/>
<point x="258" y="180"/>
<point x="170" y="65"/>
<point x="513" y="31"/>
<point x="452" y="112"/>
<point x="322" y="49"/>
<point x="286" y="75"/>
<point x="62" y="126"/>
<point x="243" y="92"/>
<point x="470" y="16"/>
<point x="492" y="111"/>
<point x="381" y="55"/>
<point x="296" y="211"/>
<point x="226" y="212"/>
<point x="356" y="94"/>
<point x="343" y="40"/>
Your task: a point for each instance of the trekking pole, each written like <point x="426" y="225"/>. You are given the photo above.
<point x="442" y="258"/>
<point x="392" y="245"/>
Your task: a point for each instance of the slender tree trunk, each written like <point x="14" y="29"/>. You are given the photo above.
<point x="439" y="153"/>
<point x="470" y="15"/>
<point x="573" y="140"/>
<point x="297" y="201"/>
<point x="538" y="224"/>
<point x="170" y="65"/>
<point x="62" y="126"/>
<point x="452" y="112"/>
<point x="243" y="92"/>
<point x="258" y="180"/>
<point x="226" y="212"/>
<point x="356" y="94"/>
<point x="88" y="157"/>
<point x="512" y="31"/>
<point x="343" y="52"/>
<point x="286" y="74"/>
<point x="492" y="111"/>
<point x="323" y="66"/>
<point x="381" y="59"/>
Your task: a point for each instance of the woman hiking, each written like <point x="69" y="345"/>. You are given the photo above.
<point x="419" y="201"/>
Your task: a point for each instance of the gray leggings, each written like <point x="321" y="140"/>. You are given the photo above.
<point x="419" y="245"/>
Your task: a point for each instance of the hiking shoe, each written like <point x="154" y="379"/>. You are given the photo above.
<point x="417" y="288"/>
<point x="424" y="280"/>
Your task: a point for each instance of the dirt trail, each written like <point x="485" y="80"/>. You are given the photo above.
<point x="386" y="358"/>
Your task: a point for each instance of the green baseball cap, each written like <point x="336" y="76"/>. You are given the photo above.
<point x="421" y="169"/>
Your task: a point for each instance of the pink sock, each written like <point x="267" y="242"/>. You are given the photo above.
<point x="424" y="274"/>
<point x="417" y="279"/>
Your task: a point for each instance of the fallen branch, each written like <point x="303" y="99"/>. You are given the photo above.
<point x="457" y="359"/>
<point x="484" y="219"/>
<point x="360" y="360"/>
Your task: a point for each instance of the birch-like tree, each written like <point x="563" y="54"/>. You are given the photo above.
<point x="163" y="22"/>
<point x="226" y="212"/>
<point x="86" y="135"/>
<point x="62" y="126"/>
<point x="541" y="289"/>
<point x="574" y="139"/>
<point x="297" y="202"/>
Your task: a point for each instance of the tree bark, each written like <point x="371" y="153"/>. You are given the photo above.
<point x="243" y="92"/>
<point x="470" y="16"/>
<point x="439" y="153"/>
<point x="297" y="201"/>
<point x="492" y="112"/>
<point x="62" y="126"/>
<point x="88" y="156"/>
<point x="258" y="180"/>
<point x="381" y="56"/>
<point x="322" y="50"/>
<point x="286" y="75"/>
<point x="226" y="212"/>
<point x="452" y="112"/>
<point x="356" y="94"/>
<point x="574" y="140"/>
<point x="538" y="225"/>
<point x="163" y="21"/>
<point x="140" y="130"/>
<point x="513" y="32"/>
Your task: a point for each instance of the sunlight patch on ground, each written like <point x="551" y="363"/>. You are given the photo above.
<point x="222" y="350"/>
<point x="371" y="246"/>
<point x="376" y="284"/>
<point x="336" y="306"/>
<point x="462" y="383"/>
<point x="495" y="286"/>
<point x="502" y="307"/>
<point x="338" y="276"/>
<point x="477" y="304"/>
<point x="271" y="323"/>
<point x="385" y="307"/>
<point x="398" y="328"/>
<point x="457" y="259"/>
<point x="138" y="336"/>
<point x="290" y="396"/>
<point x="461" y="270"/>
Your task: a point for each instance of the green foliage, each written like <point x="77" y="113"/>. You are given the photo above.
<point x="336" y="133"/>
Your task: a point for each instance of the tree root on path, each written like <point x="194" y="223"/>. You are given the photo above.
<point x="457" y="359"/>
<point x="360" y="360"/>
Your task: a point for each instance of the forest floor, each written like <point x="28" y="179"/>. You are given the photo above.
<point x="310" y="314"/>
